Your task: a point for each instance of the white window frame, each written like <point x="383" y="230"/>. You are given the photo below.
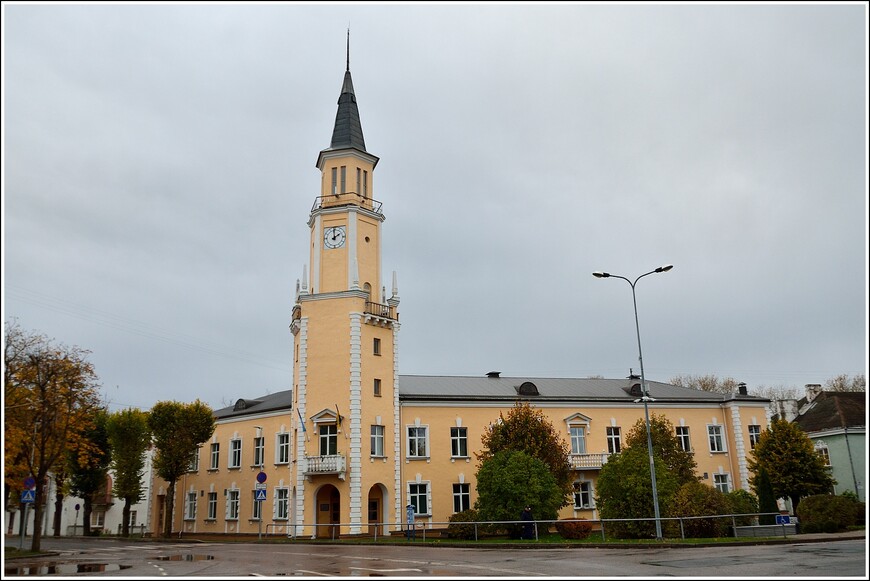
<point x="194" y="462"/>
<point x="215" y="456"/>
<point x="232" y="512"/>
<point x="716" y="438"/>
<point x="257" y="509"/>
<point x="614" y="439"/>
<point x="823" y="451"/>
<point x="754" y="435"/>
<point x="420" y="493"/>
<point x="212" y="506"/>
<point x="282" y="504"/>
<point x="584" y="491"/>
<point x="578" y="439"/>
<point x="459" y="442"/>
<point x="98" y="518"/>
<point x="417" y="439"/>
<point x="327" y="435"/>
<point x="133" y="515"/>
<point x="190" y="505"/>
<point x="377" y="440"/>
<point x="683" y="438"/>
<point x="259" y="451"/>
<point x="234" y="458"/>
<point x="722" y="482"/>
<point x="282" y="448"/>
<point x="461" y="496"/>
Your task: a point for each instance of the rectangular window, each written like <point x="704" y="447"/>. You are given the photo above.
<point x="378" y="441"/>
<point x="825" y="454"/>
<point x="714" y="435"/>
<point x="334" y="181"/>
<point x="614" y="440"/>
<point x="459" y="442"/>
<point x="215" y="456"/>
<point x="282" y="503"/>
<point x="190" y="506"/>
<point x="720" y="481"/>
<point x="233" y="504"/>
<point x="377" y="388"/>
<point x="461" y="497"/>
<point x="358" y="180"/>
<point x="583" y="494"/>
<point x="283" y="449"/>
<point x="328" y="440"/>
<point x="578" y="439"/>
<point x="376" y="346"/>
<point x="419" y="492"/>
<point x="683" y="438"/>
<point x="343" y="179"/>
<point x="194" y="462"/>
<point x="235" y="454"/>
<point x="133" y="518"/>
<point x="259" y="450"/>
<point x="365" y="184"/>
<point x="417" y="442"/>
<point x="212" y="506"/>
<point x="754" y="435"/>
<point x="98" y="518"/>
<point x="258" y="505"/>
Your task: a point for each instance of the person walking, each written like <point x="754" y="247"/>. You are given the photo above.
<point x="528" y="527"/>
<point x="410" y="532"/>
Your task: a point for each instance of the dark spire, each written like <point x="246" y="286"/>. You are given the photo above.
<point x="348" y="129"/>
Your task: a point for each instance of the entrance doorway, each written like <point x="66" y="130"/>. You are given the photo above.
<point x="328" y="512"/>
<point x="375" y="513"/>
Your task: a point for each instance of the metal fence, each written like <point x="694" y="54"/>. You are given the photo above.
<point x="420" y="528"/>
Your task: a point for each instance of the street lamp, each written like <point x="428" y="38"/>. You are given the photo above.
<point x="645" y="398"/>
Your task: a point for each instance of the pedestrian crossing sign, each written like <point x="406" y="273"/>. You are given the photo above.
<point x="28" y="496"/>
<point x="261" y="494"/>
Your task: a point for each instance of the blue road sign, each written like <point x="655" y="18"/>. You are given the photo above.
<point x="261" y="494"/>
<point x="28" y="496"/>
<point x="782" y="519"/>
<point x="30" y="482"/>
<point x="261" y="477"/>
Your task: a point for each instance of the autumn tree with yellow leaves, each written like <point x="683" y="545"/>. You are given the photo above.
<point x="50" y="397"/>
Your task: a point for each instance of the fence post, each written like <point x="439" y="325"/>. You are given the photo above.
<point x="734" y="525"/>
<point x="475" y="531"/>
<point x="536" y="530"/>
<point x="603" y="538"/>
<point x="682" y="530"/>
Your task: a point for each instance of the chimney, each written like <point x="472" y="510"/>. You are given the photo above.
<point x="493" y="374"/>
<point x="813" y="391"/>
<point x="741" y="389"/>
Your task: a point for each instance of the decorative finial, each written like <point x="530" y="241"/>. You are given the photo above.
<point x="348" y="48"/>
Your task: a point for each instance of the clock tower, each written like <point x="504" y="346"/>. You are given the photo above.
<point x="345" y="330"/>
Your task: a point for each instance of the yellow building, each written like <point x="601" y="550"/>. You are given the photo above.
<point x="353" y="442"/>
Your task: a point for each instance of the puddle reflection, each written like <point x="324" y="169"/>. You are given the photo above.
<point x="63" y="569"/>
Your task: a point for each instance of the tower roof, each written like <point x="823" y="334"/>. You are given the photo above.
<point x="348" y="129"/>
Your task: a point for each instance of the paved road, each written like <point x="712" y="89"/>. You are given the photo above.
<point x="116" y="558"/>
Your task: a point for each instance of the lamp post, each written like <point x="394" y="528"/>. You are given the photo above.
<point x="645" y="398"/>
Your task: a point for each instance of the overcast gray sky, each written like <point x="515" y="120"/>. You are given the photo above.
<point x="159" y="169"/>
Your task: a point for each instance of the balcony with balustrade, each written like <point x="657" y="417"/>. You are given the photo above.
<point x="324" y="466"/>
<point x="588" y="461"/>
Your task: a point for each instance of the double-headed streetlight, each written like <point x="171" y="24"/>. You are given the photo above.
<point x="645" y="398"/>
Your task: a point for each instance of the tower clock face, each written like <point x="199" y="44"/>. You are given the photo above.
<point x="334" y="237"/>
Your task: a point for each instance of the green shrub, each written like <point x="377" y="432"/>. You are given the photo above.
<point x="822" y="508"/>
<point x="457" y="530"/>
<point x="697" y="499"/>
<point x="574" y="528"/>
<point x="742" y="502"/>
<point x="810" y="527"/>
<point x="829" y="526"/>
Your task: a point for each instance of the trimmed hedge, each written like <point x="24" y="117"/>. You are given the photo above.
<point x="827" y="512"/>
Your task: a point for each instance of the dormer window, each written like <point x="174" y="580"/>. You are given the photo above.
<point x="527" y="388"/>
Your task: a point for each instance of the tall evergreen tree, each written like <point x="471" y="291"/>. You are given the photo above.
<point x="766" y="498"/>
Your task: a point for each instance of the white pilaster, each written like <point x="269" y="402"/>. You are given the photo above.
<point x="355" y="451"/>
<point x="299" y="512"/>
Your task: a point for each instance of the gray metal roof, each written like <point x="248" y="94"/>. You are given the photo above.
<point x="348" y="129"/>
<point x="265" y="403"/>
<point x="457" y="388"/>
<point x="505" y="389"/>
